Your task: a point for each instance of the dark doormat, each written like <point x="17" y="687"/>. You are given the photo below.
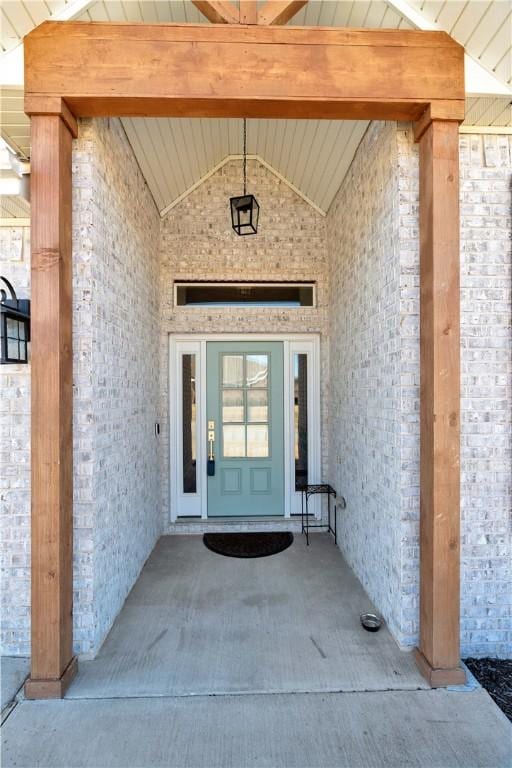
<point x="248" y="544"/>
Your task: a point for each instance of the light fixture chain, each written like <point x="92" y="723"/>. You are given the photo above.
<point x="245" y="155"/>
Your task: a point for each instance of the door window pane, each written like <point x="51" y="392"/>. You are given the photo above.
<point x="257" y="440"/>
<point x="233" y="440"/>
<point x="300" y="368"/>
<point x="245" y="410"/>
<point x="188" y="368"/>
<point x="233" y="405"/>
<point x="232" y="370"/>
<point x="257" y="405"/>
<point x="13" y="351"/>
<point x="256" y="370"/>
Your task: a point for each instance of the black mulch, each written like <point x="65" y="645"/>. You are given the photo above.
<point x="248" y="544"/>
<point x="495" y="675"/>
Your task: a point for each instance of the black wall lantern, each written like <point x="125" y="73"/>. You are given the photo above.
<point x="245" y="210"/>
<point x="15" y="326"/>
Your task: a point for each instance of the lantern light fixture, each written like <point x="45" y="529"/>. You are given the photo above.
<point x="14" y="325"/>
<point x="245" y="209"/>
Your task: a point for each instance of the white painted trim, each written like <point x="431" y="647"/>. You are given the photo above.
<point x="11" y="62"/>
<point x="201" y="420"/>
<point x="287" y="426"/>
<point x="478" y="80"/>
<point x="496" y="130"/>
<point x="196" y="344"/>
<point x="311" y="348"/>
<point x="15" y="222"/>
<point x="11" y="68"/>
<point x="190" y="503"/>
<point x="228" y="159"/>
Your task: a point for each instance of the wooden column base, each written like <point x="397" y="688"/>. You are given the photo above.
<point x="52" y="689"/>
<point x="438" y="678"/>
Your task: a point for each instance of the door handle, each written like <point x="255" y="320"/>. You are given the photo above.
<point x="210" y="464"/>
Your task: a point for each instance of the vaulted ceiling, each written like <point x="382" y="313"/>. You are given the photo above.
<point x="312" y="155"/>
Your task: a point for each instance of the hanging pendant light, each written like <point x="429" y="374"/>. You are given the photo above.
<point x="245" y="210"/>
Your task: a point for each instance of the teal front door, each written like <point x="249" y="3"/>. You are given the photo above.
<point x="244" y="411"/>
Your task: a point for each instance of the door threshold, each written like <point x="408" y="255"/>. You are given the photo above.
<point x="235" y="520"/>
<point x="230" y="524"/>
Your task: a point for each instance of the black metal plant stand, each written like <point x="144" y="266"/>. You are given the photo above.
<point x="311" y="490"/>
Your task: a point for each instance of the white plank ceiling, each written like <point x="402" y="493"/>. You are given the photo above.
<point x="313" y="155"/>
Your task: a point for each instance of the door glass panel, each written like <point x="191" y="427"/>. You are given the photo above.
<point x="257" y="440"/>
<point x="257" y="370"/>
<point x="233" y="440"/>
<point x="245" y="412"/>
<point x="232" y="370"/>
<point x="233" y="405"/>
<point x="13" y="351"/>
<point x="300" y="384"/>
<point x="12" y="328"/>
<point x="188" y="370"/>
<point x="257" y="405"/>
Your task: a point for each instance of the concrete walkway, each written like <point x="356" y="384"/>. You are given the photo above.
<point x="222" y="662"/>
<point x="427" y="729"/>
<point x="198" y="623"/>
<point x="13" y="671"/>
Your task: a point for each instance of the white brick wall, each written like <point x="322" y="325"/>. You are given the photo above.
<point x="365" y="361"/>
<point x="365" y="258"/>
<point x="116" y="335"/>
<point x="197" y="242"/>
<point x="486" y="425"/>
<point x="15" y="465"/>
<point x="374" y="250"/>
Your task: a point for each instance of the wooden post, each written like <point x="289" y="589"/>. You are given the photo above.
<point x="53" y="664"/>
<point x="438" y="655"/>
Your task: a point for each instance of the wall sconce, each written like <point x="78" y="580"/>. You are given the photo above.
<point x="14" y="326"/>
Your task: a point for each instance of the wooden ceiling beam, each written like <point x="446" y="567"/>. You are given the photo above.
<point x="279" y="11"/>
<point x="218" y="11"/>
<point x="231" y="69"/>
<point x="248" y="12"/>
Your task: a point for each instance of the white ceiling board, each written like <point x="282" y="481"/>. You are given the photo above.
<point x="314" y="156"/>
<point x="14" y="124"/>
<point x="147" y="11"/>
<point x="484" y="27"/>
<point x="14" y="207"/>
<point x="489" y="112"/>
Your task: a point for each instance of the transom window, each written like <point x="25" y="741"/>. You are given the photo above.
<point x="244" y="294"/>
<point x="245" y="406"/>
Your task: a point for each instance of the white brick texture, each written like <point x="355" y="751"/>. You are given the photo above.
<point x="373" y="242"/>
<point x="116" y="377"/>
<point x="364" y="257"/>
<point x="15" y="465"/>
<point x="197" y="242"/>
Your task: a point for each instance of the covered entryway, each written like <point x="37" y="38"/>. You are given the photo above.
<point x="75" y="70"/>
<point x="197" y="623"/>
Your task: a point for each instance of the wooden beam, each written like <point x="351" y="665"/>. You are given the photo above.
<point x="54" y="105"/>
<point x="248" y="12"/>
<point x="438" y="655"/>
<point x="262" y="108"/>
<point x="218" y="11"/>
<point x="438" y="110"/>
<point x="280" y="11"/>
<point x="105" y="69"/>
<point x="53" y="665"/>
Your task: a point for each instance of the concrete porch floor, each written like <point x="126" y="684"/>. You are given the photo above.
<point x="222" y="662"/>
<point x="199" y="623"/>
